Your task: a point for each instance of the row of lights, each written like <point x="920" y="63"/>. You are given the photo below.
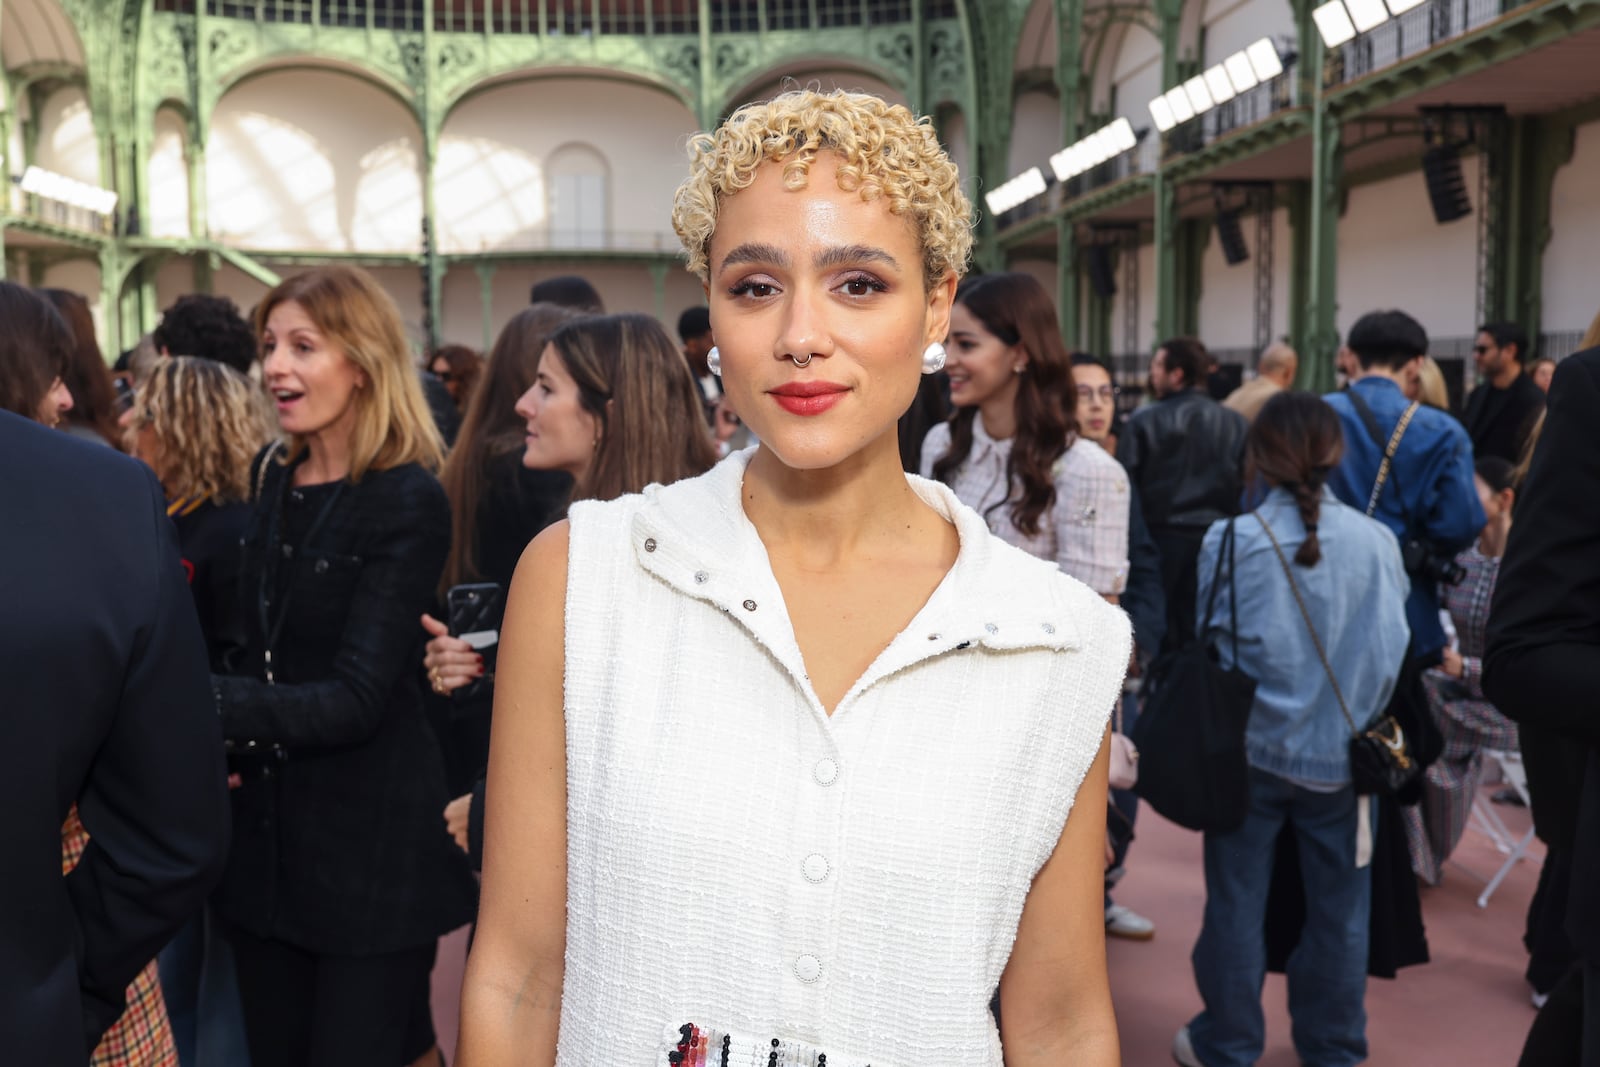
<point x="69" y="191"/>
<point x="1238" y="73"/>
<point x="1339" y="21"/>
<point x="1112" y="139"/>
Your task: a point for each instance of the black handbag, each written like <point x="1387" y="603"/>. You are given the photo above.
<point x="1190" y="731"/>
<point x="1380" y="762"/>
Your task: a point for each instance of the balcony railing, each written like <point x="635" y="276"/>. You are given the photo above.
<point x="1412" y="32"/>
<point x="57" y="213"/>
<point x="573" y="240"/>
<point x="573" y="18"/>
<point x="1248" y="108"/>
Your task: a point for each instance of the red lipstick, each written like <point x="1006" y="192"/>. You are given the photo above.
<point x="808" y="398"/>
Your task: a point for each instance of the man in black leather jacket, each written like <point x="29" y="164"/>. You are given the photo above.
<point x="1185" y="456"/>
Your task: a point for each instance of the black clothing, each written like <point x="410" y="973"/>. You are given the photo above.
<point x="442" y="406"/>
<point x="1143" y="598"/>
<point x="1542" y="666"/>
<point x="1185" y="457"/>
<point x="1498" y="420"/>
<point x="517" y="504"/>
<point x="340" y="845"/>
<point x="307" y="1010"/>
<point x="1557" y="1037"/>
<point x="209" y="537"/>
<point x="105" y="704"/>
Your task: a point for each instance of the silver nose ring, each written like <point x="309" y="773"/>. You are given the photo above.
<point x="798" y="362"/>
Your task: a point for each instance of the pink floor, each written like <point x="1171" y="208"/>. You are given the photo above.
<point x="1468" y="1008"/>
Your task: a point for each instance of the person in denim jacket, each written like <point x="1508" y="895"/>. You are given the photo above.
<point x="1348" y="571"/>
<point x="1428" y="495"/>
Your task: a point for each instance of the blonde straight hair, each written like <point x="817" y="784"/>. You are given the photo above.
<point x="393" y="425"/>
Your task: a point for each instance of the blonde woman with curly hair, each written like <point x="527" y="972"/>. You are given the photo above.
<point x="793" y="762"/>
<point x="341" y="877"/>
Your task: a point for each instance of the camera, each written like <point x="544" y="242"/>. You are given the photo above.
<point x="1421" y="560"/>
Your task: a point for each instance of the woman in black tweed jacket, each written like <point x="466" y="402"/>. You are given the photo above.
<point x="341" y="876"/>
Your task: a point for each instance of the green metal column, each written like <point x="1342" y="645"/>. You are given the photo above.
<point x="1192" y="236"/>
<point x="1067" y="287"/>
<point x="1166" y="248"/>
<point x="1321" y="338"/>
<point x="1538" y="148"/>
<point x="486" y="270"/>
<point x="429" y="120"/>
<point x="658" y="280"/>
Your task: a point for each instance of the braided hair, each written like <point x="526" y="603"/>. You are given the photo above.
<point x="1294" y="444"/>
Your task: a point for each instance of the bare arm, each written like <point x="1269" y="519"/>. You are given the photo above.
<point x="1055" y="999"/>
<point x="511" y="996"/>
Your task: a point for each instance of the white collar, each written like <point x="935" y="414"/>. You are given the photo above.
<point x="982" y="440"/>
<point x="695" y="536"/>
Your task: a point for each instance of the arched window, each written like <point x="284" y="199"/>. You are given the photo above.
<point x="579" y="209"/>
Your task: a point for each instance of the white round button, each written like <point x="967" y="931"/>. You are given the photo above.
<point x="826" y="772"/>
<point x="808" y="968"/>
<point x="815" y="868"/>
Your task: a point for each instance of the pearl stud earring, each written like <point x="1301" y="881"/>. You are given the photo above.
<point x="714" y="361"/>
<point x="933" y="358"/>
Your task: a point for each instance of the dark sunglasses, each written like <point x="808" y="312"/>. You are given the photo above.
<point x="1482" y="350"/>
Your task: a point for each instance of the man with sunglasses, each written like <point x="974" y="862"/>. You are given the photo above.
<point x="1502" y="409"/>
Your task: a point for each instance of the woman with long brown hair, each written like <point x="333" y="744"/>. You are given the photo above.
<point x="613" y="405"/>
<point x="1318" y="592"/>
<point x="94" y="394"/>
<point x="1012" y="451"/>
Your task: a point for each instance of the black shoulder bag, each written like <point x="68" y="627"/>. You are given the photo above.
<point x="1190" y="732"/>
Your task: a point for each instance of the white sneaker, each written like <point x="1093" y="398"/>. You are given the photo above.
<point x="1183" y="1051"/>
<point x="1127" y="923"/>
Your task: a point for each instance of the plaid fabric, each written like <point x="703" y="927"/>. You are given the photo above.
<point x="143" y="1036"/>
<point x="1468" y="722"/>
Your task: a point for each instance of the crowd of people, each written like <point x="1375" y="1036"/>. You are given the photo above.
<point x="645" y="655"/>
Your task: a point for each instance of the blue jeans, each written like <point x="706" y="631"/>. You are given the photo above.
<point x="1328" y="970"/>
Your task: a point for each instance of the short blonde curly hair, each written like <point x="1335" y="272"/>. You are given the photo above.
<point x="884" y="151"/>
<point x="209" y="422"/>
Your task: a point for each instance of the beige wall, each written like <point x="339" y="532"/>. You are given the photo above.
<point x="1393" y="255"/>
<point x="314" y="160"/>
<point x="1228" y="294"/>
<point x="1035" y="132"/>
<point x="67" y="142"/>
<point x="1232" y="25"/>
<point x="1571" y="295"/>
<point x="491" y="183"/>
<point x="169" y="178"/>
<point x="1136" y="80"/>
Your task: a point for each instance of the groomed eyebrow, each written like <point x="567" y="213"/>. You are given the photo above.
<point x="838" y="256"/>
<point x="756" y="253"/>
<point x="845" y="255"/>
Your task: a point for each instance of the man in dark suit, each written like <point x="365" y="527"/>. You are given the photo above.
<point x="107" y="704"/>
<point x="1503" y="408"/>
<point x="1543" y="663"/>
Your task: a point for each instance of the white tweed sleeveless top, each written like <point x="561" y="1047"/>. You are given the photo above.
<point x="739" y="860"/>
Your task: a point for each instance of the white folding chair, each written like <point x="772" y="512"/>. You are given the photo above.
<point x="1494" y="827"/>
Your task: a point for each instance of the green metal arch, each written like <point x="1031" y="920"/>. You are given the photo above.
<point x="515" y="73"/>
<point x="774" y="67"/>
<point x="297" y="59"/>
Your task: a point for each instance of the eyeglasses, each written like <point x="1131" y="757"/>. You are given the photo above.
<point x="1107" y="393"/>
<point x="446" y="377"/>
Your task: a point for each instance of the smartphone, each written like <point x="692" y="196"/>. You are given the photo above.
<point x="475" y="612"/>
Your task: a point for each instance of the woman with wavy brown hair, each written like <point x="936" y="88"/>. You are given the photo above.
<point x="1012" y="451"/>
